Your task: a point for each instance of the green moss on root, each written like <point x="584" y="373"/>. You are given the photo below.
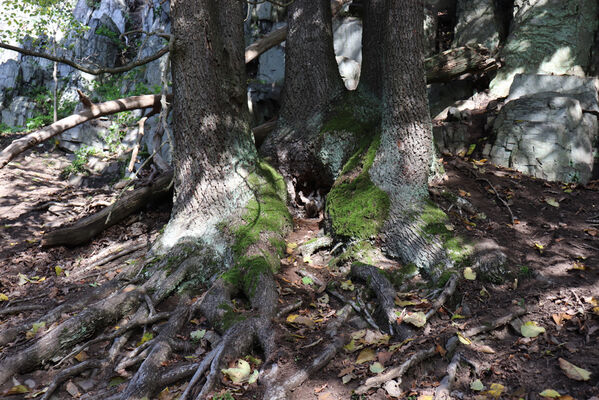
<point x="354" y="113"/>
<point x="358" y="208"/>
<point x="266" y="213"/>
<point x="435" y="223"/>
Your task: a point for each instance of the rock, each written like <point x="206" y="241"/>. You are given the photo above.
<point x="350" y="71"/>
<point x="19" y="110"/>
<point x="452" y="138"/>
<point x="9" y="70"/>
<point x="489" y="262"/>
<point x="583" y="89"/>
<point x="477" y="24"/>
<point x="264" y="10"/>
<point x="347" y="38"/>
<point x="547" y="37"/>
<point x="546" y="135"/>
<point x="271" y="67"/>
<point x="89" y="134"/>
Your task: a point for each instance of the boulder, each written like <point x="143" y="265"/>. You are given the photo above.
<point x="90" y="134"/>
<point x="547" y="135"/>
<point x="19" y="110"/>
<point x="477" y="23"/>
<point x="547" y="37"/>
<point x="583" y="89"/>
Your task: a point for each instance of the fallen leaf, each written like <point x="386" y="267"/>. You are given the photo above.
<point x="392" y="388"/>
<point x="592" y="231"/>
<point x="477" y="385"/>
<point x="365" y="355"/>
<point x="376" y="367"/>
<point x="3" y="297"/>
<point x="530" y="329"/>
<point x="559" y="318"/>
<point x="347" y="285"/>
<point x="300" y="319"/>
<point x="82" y="356"/>
<point x="240" y="373"/>
<point x="549" y="393"/>
<point x="463" y="339"/>
<point x="351" y="346"/>
<point x="58" y="270"/>
<point x="469" y="274"/>
<point x="376" y="338"/>
<point x="306" y="280"/>
<point x="253" y="377"/>
<point x="495" y="390"/>
<point x="552" y="202"/>
<point x="18" y="389"/>
<point x="574" y="372"/>
<point x="578" y="266"/>
<point x="384" y="356"/>
<point x="417" y="319"/>
<point x="72" y="389"/>
<point x="291" y="247"/>
<point x="346" y="378"/>
<point x="197" y="334"/>
<point x="146" y="337"/>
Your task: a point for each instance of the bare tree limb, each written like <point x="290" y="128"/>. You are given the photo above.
<point x="89" y="113"/>
<point x="266" y="42"/>
<point x="83" y="68"/>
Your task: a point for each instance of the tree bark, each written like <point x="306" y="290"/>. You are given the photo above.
<point x="373" y="53"/>
<point x="312" y="80"/>
<point x="213" y="150"/>
<point x="403" y="158"/>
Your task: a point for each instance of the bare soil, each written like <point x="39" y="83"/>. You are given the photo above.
<point x="553" y="254"/>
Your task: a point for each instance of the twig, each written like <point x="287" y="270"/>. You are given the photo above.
<point x="443" y="390"/>
<point x="447" y="292"/>
<point x="69" y="372"/>
<point x="289" y="308"/>
<point x="356" y="308"/>
<point x="396" y="372"/>
<point x="499" y="197"/>
<point x="495" y="324"/>
<point x="18" y="309"/>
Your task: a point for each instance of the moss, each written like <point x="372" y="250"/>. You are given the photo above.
<point x="246" y="273"/>
<point x="279" y="246"/>
<point x="355" y="113"/>
<point x="435" y="223"/>
<point x="229" y="318"/>
<point x="267" y="212"/>
<point x="361" y="251"/>
<point x="358" y="208"/>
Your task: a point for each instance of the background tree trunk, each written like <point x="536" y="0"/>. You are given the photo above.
<point x="312" y="80"/>
<point x="403" y="158"/>
<point x="373" y="53"/>
<point x="213" y="147"/>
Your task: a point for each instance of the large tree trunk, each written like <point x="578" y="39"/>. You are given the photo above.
<point x="312" y="80"/>
<point x="403" y="158"/>
<point x="383" y="189"/>
<point x="213" y="149"/>
<point x="373" y="53"/>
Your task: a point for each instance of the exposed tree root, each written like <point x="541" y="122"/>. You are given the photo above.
<point x="277" y="390"/>
<point x="68" y="373"/>
<point x="442" y="392"/>
<point x="356" y="307"/>
<point x="312" y="246"/>
<point x="385" y="293"/>
<point x="448" y="291"/>
<point x="21" y="308"/>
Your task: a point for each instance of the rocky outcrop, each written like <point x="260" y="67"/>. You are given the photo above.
<point x="547" y="37"/>
<point x="548" y="128"/>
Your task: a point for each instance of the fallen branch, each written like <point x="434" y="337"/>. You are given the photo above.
<point x="496" y="323"/>
<point x="452" y="63"/>
<point x="265" y="43"/>
<point x="94" y="111"/>
<point x="448" y="291"/>
<point x="88" y="227"/>
<point x="68" y="373"/>
<point x="18" y="309"/>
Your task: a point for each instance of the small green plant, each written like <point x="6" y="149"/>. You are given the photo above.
<point x="223" y="396"/>
<point x="78" y="164"/>
<point x="103" y="30"/>
<point x="4" y="128"/>
<point x="524" y="271"/>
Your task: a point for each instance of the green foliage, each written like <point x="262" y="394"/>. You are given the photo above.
<point x="4" y="128"/>
<point x="105" y="31"/>
<point x="356" y="206"/>
<point x="78" y="164"/>
<point x="223" y="396"/>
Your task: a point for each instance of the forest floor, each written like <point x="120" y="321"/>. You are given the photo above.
<point x="553" y="255"/>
